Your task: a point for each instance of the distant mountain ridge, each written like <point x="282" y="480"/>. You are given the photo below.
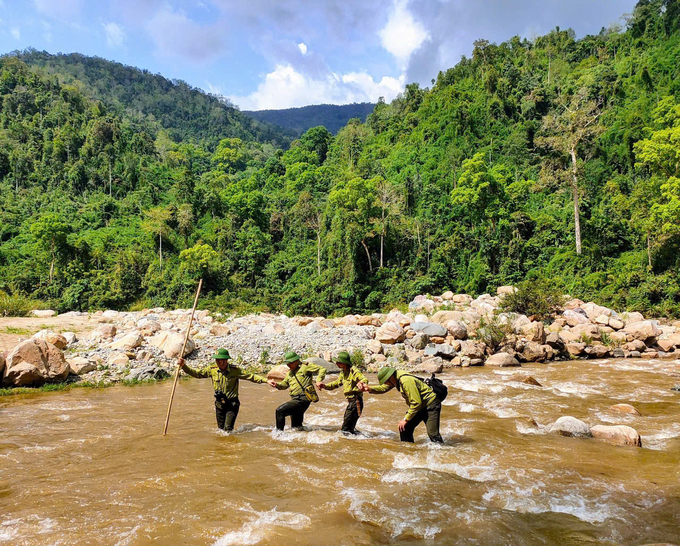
<point x="185" y="112"/>
<point x="332" y="116"/>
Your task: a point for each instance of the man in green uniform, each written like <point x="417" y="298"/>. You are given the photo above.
<point x="298" y="379"/>
<point x="225" y="379"/>
<point x="350" y="377"/>
<point x="423" y="403"/>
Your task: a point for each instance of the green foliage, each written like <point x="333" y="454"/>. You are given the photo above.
<point x="17" y="305"/>
<point x="357" y="358"/>
<point x="539" y="297"/>
<point x="298" y="120"/>
<point x="493" y="331"/>
<point x="119" y="188"/>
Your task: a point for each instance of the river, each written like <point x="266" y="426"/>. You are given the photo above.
<point x="92" y="467"/>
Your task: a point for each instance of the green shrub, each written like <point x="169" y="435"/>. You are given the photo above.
<point x="539" y="297"/>
<point x="493" y="331"/>
<point x="357" y="358"/>
<point x="17" y="305"/>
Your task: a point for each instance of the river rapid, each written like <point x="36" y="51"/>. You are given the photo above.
<point x="92" y="467"/>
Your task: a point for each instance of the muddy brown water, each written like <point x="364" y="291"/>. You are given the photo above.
<point x="92" y="467"/>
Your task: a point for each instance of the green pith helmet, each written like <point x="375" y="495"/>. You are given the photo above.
<point x="291" y="356"/>
<point x="385" y="373"/>
<point x="222" y="354"/>
<point x="343" y="358"/>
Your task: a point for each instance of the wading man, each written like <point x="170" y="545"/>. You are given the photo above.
<point x="349" y="379"/>
<point x="225" y="378"/>
<point x="423" y="404"/>
<point x="302" y="392"/>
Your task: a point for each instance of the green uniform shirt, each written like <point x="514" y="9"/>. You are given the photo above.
<point x="224" y="382"/>
<point x="416" y="393"/>
<point x="348" y="382"/>
<point x="302" y="378"/>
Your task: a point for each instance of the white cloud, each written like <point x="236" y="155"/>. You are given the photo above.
<point x="59" y="9"/>
<point x="174" y="34"/>
<point x="303" y="48"/>
<point x="115" y="36"/>
<point x="16" y="33"/>
<point x="402" y="34"/>
<point x="285" y="87"/>
<point x="213" y="89"/>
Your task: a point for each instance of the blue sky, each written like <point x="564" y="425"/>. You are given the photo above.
<point x="279" y="54"/>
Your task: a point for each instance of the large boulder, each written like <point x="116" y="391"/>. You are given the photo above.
<point x="631" y="318"/>
<point x="59" y="341"/>
<point x="278" y="373"/>
<point x="374" y="346"/>
<point x="645" y="331"/>
<point x="570" y="426"/>
<point x="593" y="310"/>
<point x="331" y="367"/>
<point x="43" y="313"/>
<point x="419" y="341"/>
<point x="534" y="331"/>
<point x="472" y="350"/>
<point x="431" y="365"/>
<point x="368" y="321"/>
<point x="147" y="373"/>
<point x="390" y="333"/>
<point x="620" y="435"/>
<point x="24" y="374"/>
<point x="457" y="329"/>
<point x="119" y="360"/>
<point x="105" y="331"/>
<point x="534" y="352"/>
<point x="219" y="329"/>
<point x="442" y="317"/>
<point x="48" y="361"/>
<point x="170" y="342"/>
<point x="81" y="365"/>
<point x="502" y="360"/>
<point x="129" y="341"/>
<point x="397" y="317"/>
<point x="2" y="365"/>
<point x="429" y="328"/>
<point x="597" y="351"/>
<point x="670" y="343"/>
<point x="574" y="317"/>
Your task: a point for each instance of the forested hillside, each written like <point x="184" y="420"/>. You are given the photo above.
<point x="185" y="112"/>
<point x="556" y="158"/>
<point x="331" y="116"/>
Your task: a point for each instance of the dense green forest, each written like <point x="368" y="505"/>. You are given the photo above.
<point x="149" y="99"/>
<point x="556" y="158"/>
<point x="298" y="120"/>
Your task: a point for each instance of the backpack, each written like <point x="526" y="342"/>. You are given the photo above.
<point x="437" y="385"/>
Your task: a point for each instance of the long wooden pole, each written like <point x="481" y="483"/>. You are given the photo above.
<point x="184" y="345"/>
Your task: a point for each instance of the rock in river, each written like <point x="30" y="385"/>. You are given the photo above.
<point x="503" y="360"/>
<point x="278" y="373"/>
<point x="570" y="426"/>
<point x="625" y="408"/>
<point x="620" y="435"/>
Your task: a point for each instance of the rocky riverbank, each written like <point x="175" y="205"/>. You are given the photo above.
<point x="437" y="332"/>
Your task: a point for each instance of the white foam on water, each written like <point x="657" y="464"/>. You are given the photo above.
<point x="128" y="536"/>
<point x="534" y="499"/>
<point x="466" y="408"/>
<point x="403" y="476"/>
<point x="502" y="407"/>
<point x="259" y="527"/>
<point x="478" y="385"/>
<point x="482" y="470"/>
<point x="659" y="441"/>
<point x="569" y="388"/>
<point x="65" y="406"/>
<point x="9" y="530"/>
<point x="316" y="437"/>
<point x="64" y="417"/>
<point x="38" y="448"/>
<point x="526" y="428"/>
<point x="366" y="506"/>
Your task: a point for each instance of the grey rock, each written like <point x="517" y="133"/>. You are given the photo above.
<point x="331" y="367"/>
<point x="146" y="373"/>
<point x="429" y="328"/>
<point x="570" y="426"/>
<point x="635" y="354"/>
<point x="618" y="353"/>
<point x="419" y="341"/>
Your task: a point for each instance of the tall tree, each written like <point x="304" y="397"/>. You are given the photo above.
<point x="156" y="223"/>
<point x="570" y="131"/>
